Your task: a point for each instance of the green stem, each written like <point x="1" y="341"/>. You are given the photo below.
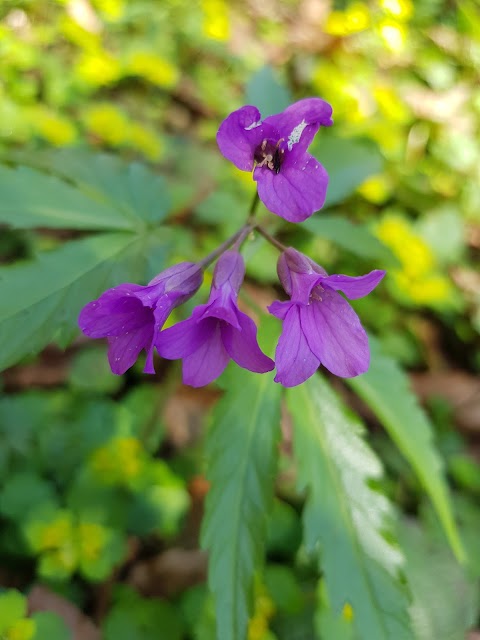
<point x="271" y="239"/>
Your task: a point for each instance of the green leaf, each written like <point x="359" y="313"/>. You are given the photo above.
<point x="353" y="237"/>
<point x="348" y="162"/>
<point x="102" y="192"/>
<point x="266" y="93"/>
<point x="50" y="626"/>
<point x="40" y="300"/>
<point x="241" y="459"/>
<point x="445" y="599"/>
<point x="345" y="519"/>
<point x="21" y="492"/>
<point x="385" y="388"/>
<point x="13" y="607"/>
<point x="90" y="371"/>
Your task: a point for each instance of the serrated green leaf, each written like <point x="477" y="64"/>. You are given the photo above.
<point x="266" y="93"/>
<point x="348" y="162"/>
<point x="32" y="198"/>
<point x="385" y="388"/>
<point x="40" y="300"/>
<point x="102" y="192"/>
<point x="355" y="238"/>
<point x="242" y="454"/>
<point x="344" y="518"/>
<point x="445" y="599"/>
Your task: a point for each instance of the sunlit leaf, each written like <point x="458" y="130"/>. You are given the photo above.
<point x="241" y="460"/>
<point x="385" y="388"/>
<point x="346" y="521"/>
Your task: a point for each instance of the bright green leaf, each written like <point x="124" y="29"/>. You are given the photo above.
<point x="385" y="388"/>
<point x="346" y="520"/>
<point x="241" y="453"/>
<point x="13" y="607"/>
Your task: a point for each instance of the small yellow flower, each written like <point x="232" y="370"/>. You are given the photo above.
<point x="56" y="533"/>
<point x="344" y="23"/>
<point x="347" y="612"/>
<point x="376" y="189"/>
<point x="145" y="140"/>
<point x="119" y="461"/>
<point x="52" y="126"/>
<point x="98" y="68"/>
<point x="21" y="630"/>
<point x="216" y="23"/>
<point x="394" y="35"/>
<point x="153" y="68"/>
<point x="111" y="9"/>
<point x="92" y="539"/>
<point x="107" y="123"/>
<point x="400" y="9"/>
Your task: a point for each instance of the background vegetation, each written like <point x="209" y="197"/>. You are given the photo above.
<point x="110" y="173"/>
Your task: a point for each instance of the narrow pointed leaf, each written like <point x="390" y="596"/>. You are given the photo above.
<point x="386" y="390"/>
<point x="345" y="520"/>
<point x="241" y="460"/>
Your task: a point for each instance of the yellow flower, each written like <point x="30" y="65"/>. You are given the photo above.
<point x="216" y="24"/>
<point x="98" y="68"/>
<point x="111" y="9"/>
<point x="78" y="35"/>
<point x="401" y="9"/>
<point x="153" y="68"/>
<point x="145" y="140"/>
<point x="347" y="612"/>
<point x="343" y="23"/>
<point x="119" y="461"/>
<point x="394" y="35"/>
<point x="52" y="126"/>
<point x="92" y="539"/>
<point x="376" y="189"/>
<point x="107" y="123"/>
<point x="21" y="630"/>
<point x="56" y="533"/>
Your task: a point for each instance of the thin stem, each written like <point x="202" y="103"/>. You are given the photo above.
<point x="253" y="206"/>
<point x="271" y="239"/>
<point x="243" y="234"/>
<point x="207" y="261"/>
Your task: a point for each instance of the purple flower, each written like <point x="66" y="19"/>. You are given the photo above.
<point x="319" y="326"/>
<point x="216" y="331"/>
<point x="291" y="182"/>
<point x="130" y="315"/>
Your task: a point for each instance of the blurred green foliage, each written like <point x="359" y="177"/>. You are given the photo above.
<point x="80" y="471"/>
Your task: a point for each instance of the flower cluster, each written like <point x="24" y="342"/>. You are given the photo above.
<point x="319" y="326"/>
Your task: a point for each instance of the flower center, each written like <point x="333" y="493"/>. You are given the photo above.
<point x="270" y="155"/>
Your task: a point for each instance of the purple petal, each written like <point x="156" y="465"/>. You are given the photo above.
<point x="280" y="309"/>
<point x="336" y="336"/>
<point x="299" y="123"/>
<point x="99" y="319"/>
<point x="220" y="309"/>
<point x="294" y="359"/>
<point x="297" y="191"/>
<point x="354" y="287"/>
<point x="123" y="350"/>
<point x="183" y="338"/>
<point x="242" y="346"/>
<point x="206" y="363"/>
<point x="240" y="134"/>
